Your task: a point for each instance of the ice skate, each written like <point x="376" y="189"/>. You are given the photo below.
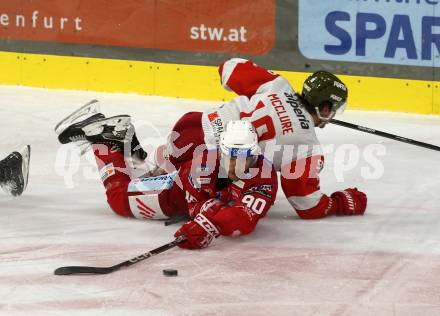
<point x="70" y="129"/>
<point x="96" y="129"/>
<point x="14" y="171"/>
<point x="87" y="111"/>
<point x="117" y="131"/>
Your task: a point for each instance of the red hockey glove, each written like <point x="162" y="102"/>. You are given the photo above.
<point x="212" y="205"/>
<point x="350" y="202"/>
<point x="199" y="233"/>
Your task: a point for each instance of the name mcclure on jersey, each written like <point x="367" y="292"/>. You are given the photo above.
<point x="286" y="123"/>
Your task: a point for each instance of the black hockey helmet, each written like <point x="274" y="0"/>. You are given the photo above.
<point x="323" y="86"/>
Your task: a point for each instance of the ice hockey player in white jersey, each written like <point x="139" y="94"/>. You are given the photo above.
<point x="14" y="171"/>
<point x="285" y="122"/>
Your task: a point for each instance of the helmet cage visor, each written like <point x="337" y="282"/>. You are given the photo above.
<point x="337" y="107"/>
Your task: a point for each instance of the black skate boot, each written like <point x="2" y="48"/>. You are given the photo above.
<point x="97" y="129"/>
<point x="14" y="171"/>
<point x="136" y="148"/>
<point x="75" y="133"/>
<point x="70" y="129"/>
<point x="116" y="131"/>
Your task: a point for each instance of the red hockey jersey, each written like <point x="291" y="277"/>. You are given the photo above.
<point x="234" y="207"/>
<point x="285" y="130"/>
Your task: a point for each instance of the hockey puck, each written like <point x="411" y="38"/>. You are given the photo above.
<point x="169" y="272"/>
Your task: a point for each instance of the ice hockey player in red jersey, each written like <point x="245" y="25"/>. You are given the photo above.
<point x="14" y="171"/>
<point x="223" y="191"/>
<point x="234" y="203"/>
<point x="284" y="121"/>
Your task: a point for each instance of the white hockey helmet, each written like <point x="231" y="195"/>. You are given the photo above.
<point x="239" y="139"/>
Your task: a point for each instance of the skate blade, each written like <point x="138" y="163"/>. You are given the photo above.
<point x="26" y="156"/>
<point x="91" y="107"/>
<point x="120" y="123"/>
<point x="10" y="186"/>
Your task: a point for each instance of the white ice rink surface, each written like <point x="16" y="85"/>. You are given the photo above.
<point x="386" y="262"/>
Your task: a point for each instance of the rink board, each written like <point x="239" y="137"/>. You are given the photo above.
<point x="197" y="82"/>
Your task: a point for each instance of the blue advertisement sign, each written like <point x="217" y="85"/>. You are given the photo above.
<point x="402" y="32"/>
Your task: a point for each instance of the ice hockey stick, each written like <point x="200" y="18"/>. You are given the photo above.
<point x="384" y="134"/>
<point x="105" y="270"/>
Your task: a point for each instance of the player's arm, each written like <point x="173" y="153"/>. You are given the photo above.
<point x="242" y="216"/>
<point x="243" y="76"/>
<point x="192" y="187"/>
<point x="197" y="178"/>
<point x="300" y="183"/>
<point x="217" y="218"/>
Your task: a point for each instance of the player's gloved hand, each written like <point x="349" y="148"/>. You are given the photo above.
<point x="199" y="233"/>
<point x="212" y="205"/>
<point x="350" y="202"/>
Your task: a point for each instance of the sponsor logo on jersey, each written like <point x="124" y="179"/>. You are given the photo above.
<point x="264" y="189"/>
<point x="153" y="179"/>
<point x="212" y="116"/>
<point x="216" y="125"/>
<point x="152" y="184"/>
<point x="297" y="109"/>
<point x="107" y="171"/>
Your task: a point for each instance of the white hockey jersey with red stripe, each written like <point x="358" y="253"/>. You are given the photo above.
<point x="285" y="129"/>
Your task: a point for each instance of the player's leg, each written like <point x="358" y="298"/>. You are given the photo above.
<point x="109" y="138"/>
<point x="14" y="171"/>
<point x="70" y="129"/>
<point x="186" y="135"/>
<point x="143" y="198"/>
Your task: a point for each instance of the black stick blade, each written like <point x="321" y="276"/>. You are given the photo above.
<point x="83" y="270"/>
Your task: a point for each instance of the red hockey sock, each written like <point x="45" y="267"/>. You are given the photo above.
<point x="115" y="177"/>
